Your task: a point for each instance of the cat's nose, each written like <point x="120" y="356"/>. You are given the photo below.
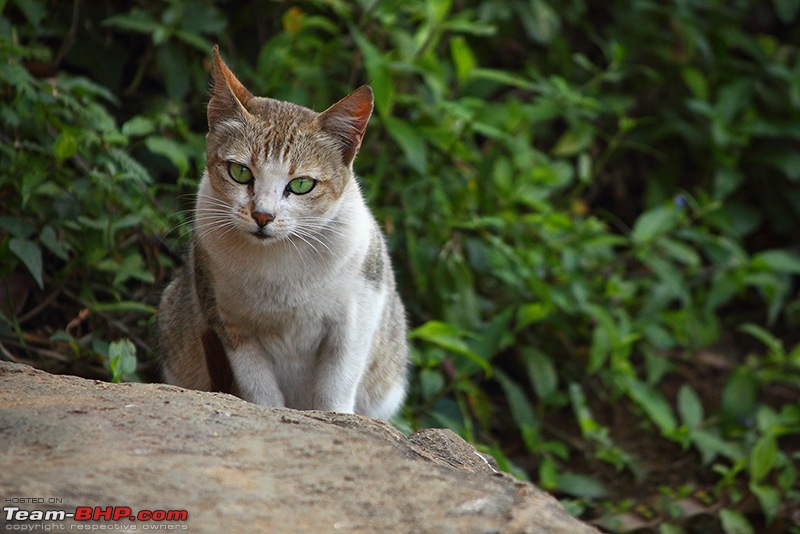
<point x="262" y="218"/>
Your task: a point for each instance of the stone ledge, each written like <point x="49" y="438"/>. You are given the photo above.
<point x="238" y="467"/>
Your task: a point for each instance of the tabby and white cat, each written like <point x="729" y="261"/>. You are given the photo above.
<point x="287" y="297"/>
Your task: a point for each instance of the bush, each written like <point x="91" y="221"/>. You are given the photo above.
<point x="588" y="207"/>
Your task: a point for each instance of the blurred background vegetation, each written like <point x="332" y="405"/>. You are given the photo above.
<point x="593" y="210"/>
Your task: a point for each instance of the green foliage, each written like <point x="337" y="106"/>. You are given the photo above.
<point x="592" y="211"/>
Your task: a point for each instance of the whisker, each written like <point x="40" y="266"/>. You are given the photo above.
<point x="304" y="240"/>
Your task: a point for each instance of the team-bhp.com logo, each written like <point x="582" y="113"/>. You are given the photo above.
<point x="14" y="515"/>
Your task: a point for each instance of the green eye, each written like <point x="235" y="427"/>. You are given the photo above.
<point x="302" y="185"/>
<point x="239" y="173"/>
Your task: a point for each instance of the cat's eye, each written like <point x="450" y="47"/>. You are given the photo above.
<point x="239" y="173"/>
<point x="301" y="185"/>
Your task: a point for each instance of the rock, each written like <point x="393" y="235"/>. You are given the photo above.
<point x="69" y="443"/>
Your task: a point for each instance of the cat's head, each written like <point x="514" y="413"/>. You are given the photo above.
<point x="274" y="169"/>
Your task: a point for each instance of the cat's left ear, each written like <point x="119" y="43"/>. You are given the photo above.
<point x="347" y="121"/>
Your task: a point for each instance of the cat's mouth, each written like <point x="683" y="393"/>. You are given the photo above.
<point x="261" y="235"/>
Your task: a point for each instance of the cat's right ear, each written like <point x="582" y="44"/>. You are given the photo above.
<point x="228" y="96"/>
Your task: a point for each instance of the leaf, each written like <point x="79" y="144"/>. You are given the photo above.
<point x="138" y="126"/>
<point x="463" y="59"/>
<point x="654" y="222"/>
<point x="378" y="72"/>
<point x="174" y="68"/>
<point x="17" y="226"/>
<point x="411" y="142"/>
<point x="696" y="81"/>
<point x="521" y="409"/>
<point x="170" y="149"/>
<point x="449" y="338"/>
<point x="739" y="396"/>
<point x="680" y="251"/>
<point x="690" y="407"/>
<point x="431" y="383"/>
<point x="126" y="306"/>
<point x="772" y="342"/>
<point x="711" y="444"/>
<point x="31" y="255"/>
<point x="34" y="10"/>
<point x="541" y="372"/>
<point x="121" y="359"/>
<point x="653" y="403"/>
<point x="787" y="10"/>
<point x="50" y="239"/>
<point x="541" y="22"/>
<point x="532" y="313"/>
<point x="734" y="522"/>
<point x="581" y="485"/>
<point x="762" y="457"/>
<point x="581" y="409"/>
<point x="574" y="141"/>
<point x="769" y="498"/>
<point x="780" y="260"/>
<point x="604" y="336"/>
<point x="66" y="145"/>
<point x="136" y="21"/>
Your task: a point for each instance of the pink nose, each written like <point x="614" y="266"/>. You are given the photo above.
<point x="262" y="219"/>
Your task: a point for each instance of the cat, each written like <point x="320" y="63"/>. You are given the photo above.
<point x="287" y="297"/>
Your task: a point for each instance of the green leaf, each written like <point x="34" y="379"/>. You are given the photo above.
<point x="739" y="396"/>
<point x="762" y="457"/>
<point x="411" y="142"/>
<point x="31" y="255"/>
<point x="696" y="81"/>
<point x="769" y="498"/>
<point x="50" y="239"/>
<point x="541" y="22"/>
<point x="653" y="223"/>
<point x="787" y="10"/>
<point x="521" y="410"/>
<point x="34" y="10"/>
<point x="680" y="251"/>
<point x="734" y="522"/>
<point x="532" y="313"/>
<point x="66" y="145"/>
<point x="463" y="59"/>
<point x="773" y="343"/>
<point x="136" y="21"/>
<point x="710" y="444"/>
<point x="125" y="306"/>
<point x="574" y="141"/>
<point x="779" y="260"/>
<point x="581" y="486"/>
<point x="132" y="267"/>
<point x="378" y="72"/>
<point x="121" y="359"/>
<point x="175" y="70"/>
<point x="541" y="372"/>
<point x="449" y="338"/>
<point x="581" y="409"/>
<point x="138" y="126"/>
<point x="690" y="407"/>
<point x="17" y="227"/>
<point x="653" y="403"/>
<point x="170" y="149"/>
<point x="431" y="383"/>
<point x="604" y="336"/>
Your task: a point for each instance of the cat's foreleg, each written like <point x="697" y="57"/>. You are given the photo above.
<point x="254" y="376"/>
<point x="340" y="369"/>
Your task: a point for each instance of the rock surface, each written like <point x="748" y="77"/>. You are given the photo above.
<point x="237" y="467"/>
